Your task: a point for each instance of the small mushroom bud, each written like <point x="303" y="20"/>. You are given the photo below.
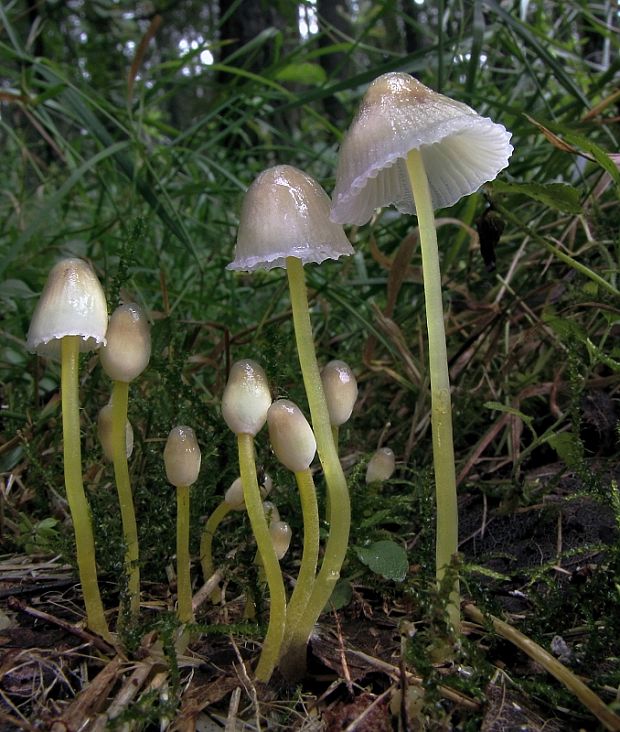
<point x="104" y="431"/>
<point x="291" y="436"/>
<point x="127" y="350"/>
<point x="381" y="466"/>
<point x="182" y="457"/>
<point x="246" y="398"/>
<point x="340" y="387"/>
<point x="234" y="496"/>
<point x="280" y="536"/>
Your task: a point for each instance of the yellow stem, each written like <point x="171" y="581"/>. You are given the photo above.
<point x="338" y="494"/>
<point x="206" y="545"/>
<point x="292" y="664"/>
<point x="254" y="505"/>
<point x="82" y="527"/>
<point x="120" y="396"/>
<point x="185" y="612"/>
<point x="441" y="408"/>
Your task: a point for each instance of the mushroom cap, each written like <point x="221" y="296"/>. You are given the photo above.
<point x="285" y="213"/>
<point x="72" y="304"/>
<point x="290" y="435"/>
<point x="246" y="398"/>
<point x="182" y="456"/>
<point x="381" y="466"/>
<point x="340" y="387"/>
<point x="281" y="535"/>
<point x="460" y="149"/>
<point x="127" y="350"/>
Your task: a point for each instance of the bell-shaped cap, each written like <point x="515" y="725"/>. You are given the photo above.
<point x="182" y="457"/>
<point x="340" y="387"/>
<point x="460" y="149"/>
<point x="290" y="435"/>
<point x="127" y="350"/>
<point x="72" y="304"/>
<point x="285" y="213"/>
<point x="281" y="535"/>
<point x="381" y="466"/>
<point x="246" y="398"/>
<point x="104" y="431"/>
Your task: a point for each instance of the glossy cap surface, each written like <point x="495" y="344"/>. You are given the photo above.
<point x="182" y="456"/>
<point x="290" y="435"/>
<point x="246" y="398"/>
<point x="127" y="350"/>
<point x="340" y="387"/>
<point x="72" y="304"/>
<point x="460" y="149"/>
<point x="285" y="213"/>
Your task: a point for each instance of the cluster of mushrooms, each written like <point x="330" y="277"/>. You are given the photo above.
<point x="409" y="147"/>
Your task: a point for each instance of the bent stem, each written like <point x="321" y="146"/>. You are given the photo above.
<point x="441" y="409"/>
<point x="564" y="675"/>
<point x="82" y="527"/>
<point x="338" y="494"/>
<point x="206" y="545"/>
<point x="120" y="396"/>
<point x="185" y="612"/>
<point x="290" y="662"/>
<point x="277" y="615"/>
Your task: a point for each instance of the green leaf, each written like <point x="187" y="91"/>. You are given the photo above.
<point x="340" y="597"/>
<point x="386" y="558"/>
<point x="568" y="448"/>
<point x="302" y="73"/>
<point x="559" y="196"/>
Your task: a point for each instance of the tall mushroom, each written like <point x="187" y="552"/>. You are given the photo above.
<point x="285" y="223"/>
<point x="124" y="357"/>
<point x="71" y="317"/>
<point x="418" y="150"/>
<point x="294" y="444"/>
<point x="182" y="460"/>
<point x="245" y="403"/>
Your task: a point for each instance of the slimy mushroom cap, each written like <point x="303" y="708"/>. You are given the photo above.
<point x="72" y="304"/>
<point x="460" y="149"/>
<point x="285" y="213"/>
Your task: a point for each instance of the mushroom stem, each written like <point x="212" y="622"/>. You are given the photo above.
<point x="185" y="612"/>
<point x="120" y="395"/>
<point x="206" y="544"/>
<point x="84" y="540"/>
<point x="253" y="502"/>
<point x="292" y="663"/>
<point x="338" y="494"/>
<point x="441" y="410"/>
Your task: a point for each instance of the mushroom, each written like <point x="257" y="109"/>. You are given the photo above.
<point x="418" y="150"/>
<point x="71" y="317"/>
<point x="124" y="357"/>
<point x="182" y="460"/>
<point x="381" y="466"/>
<point x="340" y="387"/>
<point x="293" y="442"/>
<point x="245" y="402"/>
<point x="285" y="223"/>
